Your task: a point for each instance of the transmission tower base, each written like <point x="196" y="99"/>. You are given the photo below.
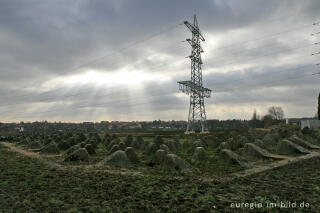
<point x="189" y="132"/>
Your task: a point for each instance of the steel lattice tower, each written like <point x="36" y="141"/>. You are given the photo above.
<point x="194" y="88"/>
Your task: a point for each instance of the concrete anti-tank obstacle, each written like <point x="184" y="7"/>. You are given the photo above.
<point x="269" y="140"/>
<point x="233" y="158"/>
<point x="171" y="145"/>
<point x="175" y="163"/>
<point x="287" y="147"/>
<point x="223" y="145"/>
<point x="305" y="144"/>
<point x="50" y="148"/>
<point x="114" y="148"/>
<point x="258" y="142"/>
<point x="90" y="149"/>
<point x="80" y="154"/>
<point x="132" y="155"/>
<point x="122" y="146"/>
<point x="165" y="148"/>
<point x="118" y="158"/>
<point x="72" y="149"/>
<point x="233" y="144"/>
<point x="195" y="144"/>
<point x="199" y="155"/>
<point x="152" y="148"/>
<point x="254" y="152"/>
<point x="159" y="156"/>
<point x="93" y="143"/>
<point x="139" y="143"/>
<point x="128" y="140"/>
<point x="83" y="144"/>
<point x="158" y="140"/>
<point x="113" y="142"/>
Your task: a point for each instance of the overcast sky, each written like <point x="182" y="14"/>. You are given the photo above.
<point x="83" y="60"/>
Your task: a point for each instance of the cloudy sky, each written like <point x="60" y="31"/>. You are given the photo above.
<point x="83" y="60"/>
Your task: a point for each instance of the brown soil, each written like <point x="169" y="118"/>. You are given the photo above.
<point x="44" y="159"/>
<point x="256" y="169"/>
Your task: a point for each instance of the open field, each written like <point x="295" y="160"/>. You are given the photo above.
<point x="29" y="185"/>
<point x="260" y="179"/>
<point x="159" y="106"/>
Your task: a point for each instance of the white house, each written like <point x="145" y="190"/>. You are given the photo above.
<point x="311" y="124"/>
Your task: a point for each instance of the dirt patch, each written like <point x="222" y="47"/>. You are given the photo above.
<point x="276" y="164"/>
<point x="44" y="159"/>
<point x="123" y="171"/>
<point x="54" y="190"/>
<point x="25" y="152"/>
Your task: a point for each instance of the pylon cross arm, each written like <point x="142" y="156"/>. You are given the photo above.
<point x="194" y="29"/>
<point x="194" y="45"/>
<point x="189" y="87"/>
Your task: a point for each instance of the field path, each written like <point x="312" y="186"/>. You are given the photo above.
<point x="43" y="158"/>
<point x="92" y="168"/>
<point x="287" y="160"/>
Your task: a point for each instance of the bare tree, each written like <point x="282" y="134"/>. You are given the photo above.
<point x="276" y="112"/>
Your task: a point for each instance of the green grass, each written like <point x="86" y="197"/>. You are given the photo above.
<point x="28" y="185"/>
<point x="212" y="166"/>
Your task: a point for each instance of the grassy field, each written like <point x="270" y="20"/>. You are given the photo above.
<point x="29" y="185"/>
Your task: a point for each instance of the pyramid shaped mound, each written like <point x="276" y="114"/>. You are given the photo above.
<point x="118" y="158"/>
<point x="50" y="148"/>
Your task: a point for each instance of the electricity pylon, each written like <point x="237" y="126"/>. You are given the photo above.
<point x="194" y="87"/>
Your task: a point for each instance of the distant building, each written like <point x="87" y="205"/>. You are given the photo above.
<point x="297" y="121"/>
<point x="311" y="124"/>
<point x="110" y="126"/>
<point x="19" y="129"/>
<point x="294" y="121"/>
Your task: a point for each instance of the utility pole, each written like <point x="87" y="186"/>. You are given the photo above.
<point x="319" y="107"/>
<point x="318" y="110"/>
<point x="314" y="35"/>
<point x="194" y="87"/>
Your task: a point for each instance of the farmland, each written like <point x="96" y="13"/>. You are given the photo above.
<point x="33" y="181"/>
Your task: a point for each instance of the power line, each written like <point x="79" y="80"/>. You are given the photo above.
<point x="80" y="93"/>
<point x="268" y="54"/>
<point x="247" y="50"/>
<point x="122" y="49"/>
<point x="127" y="47"/>
<point x="107" y="94"/>
<point x="260" y="75"/>
<point x="59" y="89"/>
<point x="281" y="51"/>
<point x="264" y="37"/>
<point x="166" y="64"/>
<point x="236" y="88"/>
<point x="172" y="27"/>
<point x="116" y="93"/>
<point x="161" y="94"/>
